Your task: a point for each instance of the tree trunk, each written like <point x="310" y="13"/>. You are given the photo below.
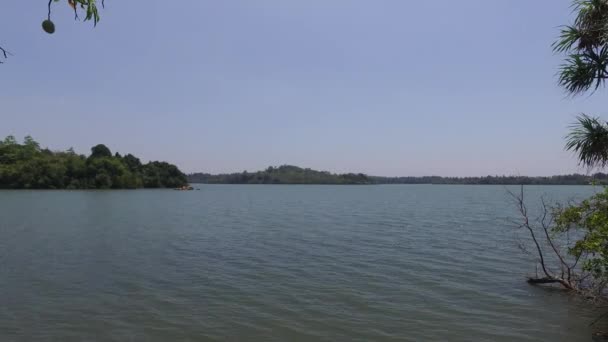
<point x="548" y="280"/>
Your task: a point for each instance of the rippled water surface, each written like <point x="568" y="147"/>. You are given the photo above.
<point x="283" y="263"/>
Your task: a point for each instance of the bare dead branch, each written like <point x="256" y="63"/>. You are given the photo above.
<point x="4" y="53"/>
<point x="521" y="206"/>
<point x="576" y="261"/>
<point x="548" y="237"/>
<point x="545" y="222"/>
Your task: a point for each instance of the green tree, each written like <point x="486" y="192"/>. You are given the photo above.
<point x="8" y="150"/>
<point x="585" y="43"/>
<point x="103" y="180"/>
<point x="76" y="170"/>
<point x="591" y="216"/>
<point x="585" y="46"/>
<point x="132" y="162"/>
<point x="162" y="175"/>
<point x="10" y="140"/>
<point x="100" y="151"/>
<point x="588" y="138"/>
<point x="30" y="143"/>
<point x="26" y="166"/>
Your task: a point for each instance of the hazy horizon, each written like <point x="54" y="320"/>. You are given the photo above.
<point x="87" y="152"/>
<point x="393" y="88"/>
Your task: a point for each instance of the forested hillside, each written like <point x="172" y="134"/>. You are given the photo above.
<point x="286" y="174"/>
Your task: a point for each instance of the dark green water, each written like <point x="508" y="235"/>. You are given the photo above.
<point x="283" y="263"/>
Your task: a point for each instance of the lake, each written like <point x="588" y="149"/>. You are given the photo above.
<point x="276" y="263"/>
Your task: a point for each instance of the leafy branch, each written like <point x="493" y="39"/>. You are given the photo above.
<point x="588" y="138"/>
<point x="585" y="44"/>
<point x="89" y="7"/>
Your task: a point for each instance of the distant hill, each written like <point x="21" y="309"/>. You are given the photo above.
<point x="286" y="174"/>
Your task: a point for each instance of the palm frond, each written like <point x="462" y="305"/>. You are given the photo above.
<point x="578" y="74"/>
<point x="585" y="44"/>
<point x="588" y="138"/>
<point x="568" y="37"/>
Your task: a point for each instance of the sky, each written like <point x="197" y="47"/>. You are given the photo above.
<point x="383" y="87"/>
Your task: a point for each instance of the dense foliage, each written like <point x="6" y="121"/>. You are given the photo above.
<point x="27" y="166"/>
<point x="590" y="218"/>
<point x="585" y="44"/>
<point x="569" y="243"/>
<point x="285" y="174"/>
<point x="573" y="239"/>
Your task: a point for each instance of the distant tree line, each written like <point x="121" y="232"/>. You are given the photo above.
<point x="27" y="166"/>
<point x="574" y="179"/>
<point x="286" y="174"/>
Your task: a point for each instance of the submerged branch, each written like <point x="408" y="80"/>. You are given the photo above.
<point x="553" y="280"/>
<point x="542" y="281"/>
<point x="564" y="276"/>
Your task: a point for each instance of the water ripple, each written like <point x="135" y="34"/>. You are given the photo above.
<point x="284" y="263"/>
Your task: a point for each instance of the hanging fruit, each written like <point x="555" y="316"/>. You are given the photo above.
<point x="48" y="26"/>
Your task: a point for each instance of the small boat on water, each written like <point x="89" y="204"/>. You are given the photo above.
<point x="185" y="188"/>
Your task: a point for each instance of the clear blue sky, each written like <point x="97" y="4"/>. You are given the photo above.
<point x="395" y="87"/>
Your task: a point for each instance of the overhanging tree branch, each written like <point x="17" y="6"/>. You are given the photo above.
<point x="88" y="6"/>
<point x="4" y="53"/>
